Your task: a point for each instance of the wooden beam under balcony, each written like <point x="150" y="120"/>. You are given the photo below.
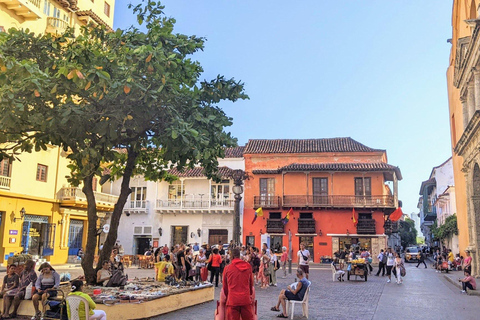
<point x="28" y="9"/>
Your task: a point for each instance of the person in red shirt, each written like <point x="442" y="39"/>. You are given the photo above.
<point x="238" y="288"/>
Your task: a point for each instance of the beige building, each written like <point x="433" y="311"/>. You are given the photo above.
<point x="40" y="213"/>
<point x="463" y="82"/>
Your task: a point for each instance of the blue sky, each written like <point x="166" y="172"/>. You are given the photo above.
<point x="370" y="70"/>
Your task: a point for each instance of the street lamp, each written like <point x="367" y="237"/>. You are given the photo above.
<point x="238" y="177"/>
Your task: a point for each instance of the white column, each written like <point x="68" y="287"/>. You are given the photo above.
<point x="476" y="82"/>
<point x="181" y="193"/>
<point x="471" y="99"/>
<point x="466" y="119"/>
<point x="209" y="193"/>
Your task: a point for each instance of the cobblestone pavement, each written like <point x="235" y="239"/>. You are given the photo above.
<point x="424" y="293"/>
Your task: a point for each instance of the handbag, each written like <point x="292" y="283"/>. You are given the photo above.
<point x="403" y="272"/>
<point x="192" y="272"/>
<point x="204" y="273"/>
<point x="28" y="291"/>
<point x="277" y="265"/>
<point x="209" y="266"/>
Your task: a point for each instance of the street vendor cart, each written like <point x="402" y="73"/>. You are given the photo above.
<point x="357" y="269"/>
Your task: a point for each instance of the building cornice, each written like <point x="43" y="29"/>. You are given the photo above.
<point x="467" y="136"/>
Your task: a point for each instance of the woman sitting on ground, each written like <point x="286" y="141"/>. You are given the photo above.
<point x="77" y="287"/>
<point x="104" y="274"/>
<point x="468" y="282"/>
<point x="48" y="279"/>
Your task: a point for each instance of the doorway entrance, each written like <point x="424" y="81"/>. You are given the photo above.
<point x="308" y="242"/>
<point x="217" y="235"/>
<point x="142" y="243"/>
<point x="276" y="243"/>
<point x="179" y="235"/>
<point x="38" y="236"/>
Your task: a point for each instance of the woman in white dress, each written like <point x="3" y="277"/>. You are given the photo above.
<point x="398" y="264"/>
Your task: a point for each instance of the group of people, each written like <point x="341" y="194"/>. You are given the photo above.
<point x="186" y="263"/>
<point x="23" y="283"/>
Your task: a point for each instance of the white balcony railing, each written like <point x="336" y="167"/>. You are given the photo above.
<point x="194" y="203"/>
<point x="136" y="204"/>
<point x="56" y="25"/>
<point x="5" y="182"/>
<point x="76" y="194"/>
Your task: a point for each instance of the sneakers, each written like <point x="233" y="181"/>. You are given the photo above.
<point x="463" y="291"/>
<point x="388" y="281"/>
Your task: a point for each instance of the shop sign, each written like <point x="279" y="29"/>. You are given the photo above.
<point x="13" y="232"/>
<point x="323" y="244"/>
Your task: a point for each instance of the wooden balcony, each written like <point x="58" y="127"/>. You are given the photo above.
<point x="306" y="226"/>
<point x="269" y="202"/>
<point x="338" y="201"/>
<point x="74" y="197"/>
<point x="56" y="25"/>
<point x="366" y="226"/>
<point x="27" y="9"/>
<point x="391" y="227"/>
<point x="275" y="226"/>
<point x="5" y="182"/>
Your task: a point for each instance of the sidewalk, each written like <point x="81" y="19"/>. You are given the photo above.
<point x="453" y="277"/>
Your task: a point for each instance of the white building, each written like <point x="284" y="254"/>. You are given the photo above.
<point x="191" y="209"/>
<point x="437" y="202"/>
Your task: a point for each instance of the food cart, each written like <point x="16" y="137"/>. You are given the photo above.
<point x="357" y="268"/>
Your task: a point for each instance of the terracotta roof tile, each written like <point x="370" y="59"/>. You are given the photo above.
<point x="235" y="152"/>
<point x="197" y="172"/>
<point x="306" y="146"/>
<point x="337" y="166"/>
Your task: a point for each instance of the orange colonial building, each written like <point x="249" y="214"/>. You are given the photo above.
<point x="323" y="181"/>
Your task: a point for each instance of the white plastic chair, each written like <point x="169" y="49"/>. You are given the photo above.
<point x="73" y="302"/>
<point x="304" y="303"/>
<point x="334" y="272"/>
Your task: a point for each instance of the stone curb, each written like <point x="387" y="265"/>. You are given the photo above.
<point x="456" y="283"/>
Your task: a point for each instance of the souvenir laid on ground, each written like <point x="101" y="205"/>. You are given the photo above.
<point x="137" y="291"/>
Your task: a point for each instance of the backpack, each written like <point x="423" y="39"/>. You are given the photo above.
<point x="384" y="258"/>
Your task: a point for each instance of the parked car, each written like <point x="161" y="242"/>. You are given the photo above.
<point x="412" y="254"/>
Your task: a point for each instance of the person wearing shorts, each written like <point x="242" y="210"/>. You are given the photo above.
<point x="296" y="294"/>
<point x="390" y="263"/>
<point x="303" y="256"/>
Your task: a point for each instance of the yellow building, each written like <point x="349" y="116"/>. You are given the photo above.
<point x="463" y="82"/>
<point x="40" y="213"/>
<point x="54" y="16"/>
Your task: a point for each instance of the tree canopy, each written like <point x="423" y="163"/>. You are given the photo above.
<point x="131" y="100"/>
<point x="407" y="232"/>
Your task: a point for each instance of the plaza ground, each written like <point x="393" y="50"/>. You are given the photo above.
<point x="424" y="294"/>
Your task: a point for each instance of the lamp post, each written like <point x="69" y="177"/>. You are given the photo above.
<point x="238" y="177"/>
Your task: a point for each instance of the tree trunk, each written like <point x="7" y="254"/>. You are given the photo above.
<point x="118" y="209"/>
<point x="87" y="261"/>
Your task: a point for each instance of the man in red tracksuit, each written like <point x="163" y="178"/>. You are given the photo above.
<point x="238" y="288"/>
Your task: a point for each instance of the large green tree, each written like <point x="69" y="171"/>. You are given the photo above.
<point x="407" y="232"/>
<point x="129" y="99"/>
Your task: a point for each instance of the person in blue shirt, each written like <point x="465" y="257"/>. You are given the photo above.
<point x="196" y="247"/>
<point x="297" y="293"/>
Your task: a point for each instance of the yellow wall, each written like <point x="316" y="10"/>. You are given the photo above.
<point x="462" y="10"/>
<point x="10" y="18"/>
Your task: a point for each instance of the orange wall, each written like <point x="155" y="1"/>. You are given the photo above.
<point x="460" y="29"/>
<point x="328" y="221"/>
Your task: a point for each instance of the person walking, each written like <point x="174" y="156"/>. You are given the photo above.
<point x="273" y="269"/>
<point x="382" y="261"/>
<point x="422" y="259"/>
<point x="283" y="260"/>
<point x="398" y="264"/>
<point x="238" y="288"/>
<point x="303" y="256"/>
<point x="390" y="263"/>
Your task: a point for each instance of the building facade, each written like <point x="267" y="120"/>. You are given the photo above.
<point x="437" y="202"/>
<point x="463" y="83"/>
<point x="40" y="213"/>
<point x="41" y="16"/>
<point x="191" y="209"/>
<point x="323" y="183"/>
